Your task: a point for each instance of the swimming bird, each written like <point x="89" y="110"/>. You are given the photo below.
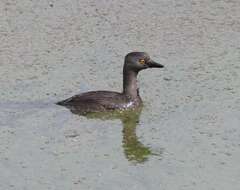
<point x="129" y="98"/>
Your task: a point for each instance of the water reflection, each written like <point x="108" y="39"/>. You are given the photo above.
<point x="134" y="150"/>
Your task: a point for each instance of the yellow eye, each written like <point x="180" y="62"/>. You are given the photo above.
<point x="142" y="61"/>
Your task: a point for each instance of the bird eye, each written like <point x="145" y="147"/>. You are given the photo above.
<point x="142" y="61"/>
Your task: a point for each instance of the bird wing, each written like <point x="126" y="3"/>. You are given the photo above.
<point x="94" y="100"/>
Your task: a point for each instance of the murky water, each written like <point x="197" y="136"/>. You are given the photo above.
<point x="185" y="137"/>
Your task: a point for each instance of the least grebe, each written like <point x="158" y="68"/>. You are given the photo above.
<point x="129" y="98"/>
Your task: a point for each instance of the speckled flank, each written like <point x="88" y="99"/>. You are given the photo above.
<point x="129" y="104"/>
<point x="53" y="49"/>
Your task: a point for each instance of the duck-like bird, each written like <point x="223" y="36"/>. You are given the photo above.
<point x="129" y="98"/>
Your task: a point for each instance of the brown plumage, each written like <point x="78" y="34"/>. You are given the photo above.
<point x="101" y="101"/>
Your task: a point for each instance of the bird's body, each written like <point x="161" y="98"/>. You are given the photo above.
<point x="101" y="101"/>
<point x="129" y="98"/>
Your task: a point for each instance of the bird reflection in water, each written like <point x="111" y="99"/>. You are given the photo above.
<point x="134" y="150"/>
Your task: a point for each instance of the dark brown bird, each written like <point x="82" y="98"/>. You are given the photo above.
<point x="129" y="98"/>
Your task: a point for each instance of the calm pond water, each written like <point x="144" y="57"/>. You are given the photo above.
<point x="185" y="137"/>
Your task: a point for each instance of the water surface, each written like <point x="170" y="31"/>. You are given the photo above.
<point x="187" y="134"/>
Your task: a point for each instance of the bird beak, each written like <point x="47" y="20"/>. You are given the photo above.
<point x="153" y="64"/>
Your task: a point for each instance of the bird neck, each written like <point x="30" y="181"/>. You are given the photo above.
<point x="130" y="83"/>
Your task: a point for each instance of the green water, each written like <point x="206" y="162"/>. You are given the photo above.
<point x="134" y="150"/>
